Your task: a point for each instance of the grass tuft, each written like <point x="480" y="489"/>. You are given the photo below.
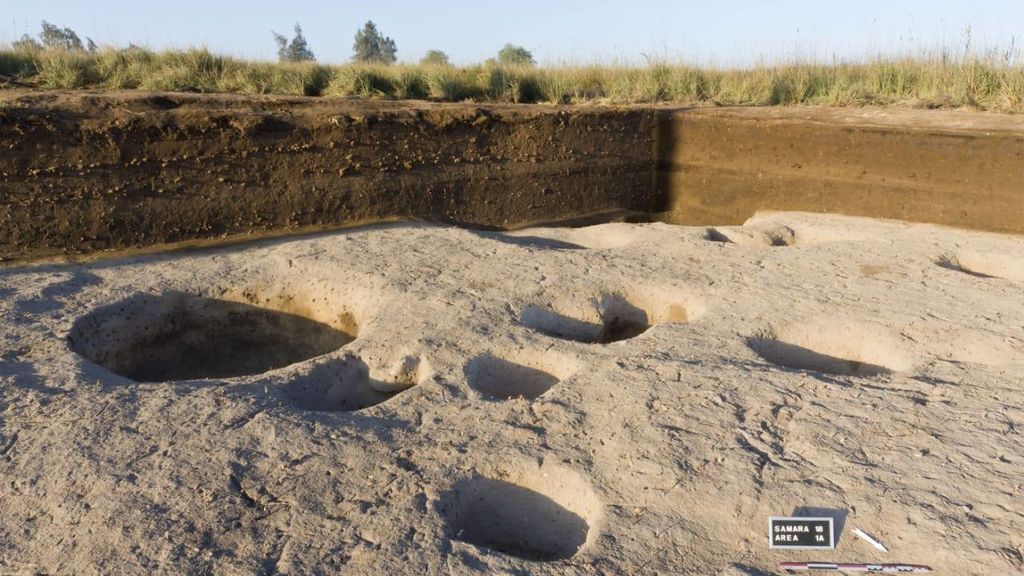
<point x="993" y="82"/>
<point x="195" y="70"/>
<point x="367" y="81"/>
<point x="451" y="84"/>
<point x="65" y="69"/>
<point x="17" y="64"/>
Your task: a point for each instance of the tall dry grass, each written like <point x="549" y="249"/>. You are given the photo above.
<point x="993" y="82"/>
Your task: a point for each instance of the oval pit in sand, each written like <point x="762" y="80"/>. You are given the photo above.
<point x="610" y="317"/>
<point x="523" y="374"/>
<point x="985" y="264"/>
<point x="347" y="384"/>
<point x="539" y="514"/>
<point x="177" y="336"/>
<point x="751" y="235"/>
<point x="832" y="347"/>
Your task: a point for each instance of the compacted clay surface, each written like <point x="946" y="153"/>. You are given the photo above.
<point x="413" y="399"/>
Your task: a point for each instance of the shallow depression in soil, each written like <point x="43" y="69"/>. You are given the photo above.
<point x="845" y="349"/>
<point x="176" y="336"/>
<point x="500" y="378"/>
<point x="527" y="376"/>
<point x="346" y="384"/>
<point x="605" y="319"/>
<point x="752" y="236"/>
<point x="985" y="264"/>
<point x="540" y="515"/>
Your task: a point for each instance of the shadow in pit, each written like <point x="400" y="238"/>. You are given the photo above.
<point x="176" y="336"/>
<point x="529" y="241"/>
<point x="343" y="385"/>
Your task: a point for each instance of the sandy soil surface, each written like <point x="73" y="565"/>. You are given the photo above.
<point x="617" y="399"/>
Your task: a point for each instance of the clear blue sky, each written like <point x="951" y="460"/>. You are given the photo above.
<point x="724" y="32"/>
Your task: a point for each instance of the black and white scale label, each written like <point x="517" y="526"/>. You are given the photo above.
<point x="800" y="532"/>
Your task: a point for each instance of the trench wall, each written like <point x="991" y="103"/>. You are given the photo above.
<point x="953" y="168"/>
<point x="86" y="172"/>
<point x="82" y="173"/>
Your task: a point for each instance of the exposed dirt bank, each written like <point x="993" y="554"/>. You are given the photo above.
<point x="84" y="172"/>
<point x="954" y="168"/>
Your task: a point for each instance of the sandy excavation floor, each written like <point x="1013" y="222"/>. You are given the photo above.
<point x="427" y="400"/>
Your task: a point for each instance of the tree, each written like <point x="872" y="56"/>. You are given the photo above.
<point x="435" y="58"/>
<point x="515" y="55"/>
<point x="295" y="51"/>
<point x="53" y="37"/>
<point x="60" y="38"/>
<point x="372" y="47"/>
<point x="27" y="44"/>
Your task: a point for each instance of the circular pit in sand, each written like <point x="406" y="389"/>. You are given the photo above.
<point x="176" y="336"/>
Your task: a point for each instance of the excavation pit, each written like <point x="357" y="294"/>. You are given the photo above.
<point x="851" y="350"/>
<point x="176" y="336"/>
<point x="346" y="385"/>
<point x="500" y="379"/>
<point x="542" y="515"/>
<point x="609" y="318"/>
<point x="775" y="237"/>
<point x="985" y="264"/>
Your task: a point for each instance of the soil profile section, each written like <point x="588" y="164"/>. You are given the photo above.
<point x="84" y="172"/>
<point x="963" y="169"/>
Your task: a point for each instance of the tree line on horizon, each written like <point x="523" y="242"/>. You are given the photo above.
<point x="370" y="46"/>
<point x="55" y="38"/>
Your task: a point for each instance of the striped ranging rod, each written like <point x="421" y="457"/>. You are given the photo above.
<point x="855" y="567"/>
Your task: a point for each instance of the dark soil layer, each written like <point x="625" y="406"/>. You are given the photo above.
<point x="91" y="171"/>
<point x="82" y="172"/>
